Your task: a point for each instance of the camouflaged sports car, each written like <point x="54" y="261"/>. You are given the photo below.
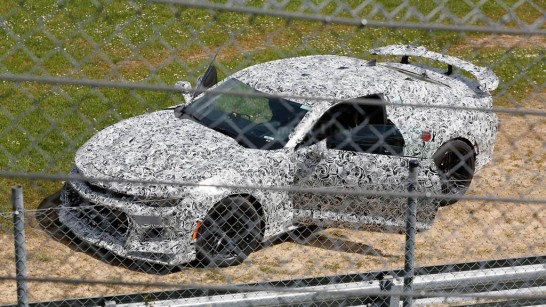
<point x="254" y="151"/>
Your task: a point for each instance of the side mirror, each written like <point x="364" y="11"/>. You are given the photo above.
<point x="208" y="79"/>
<point x="184" y="87"/>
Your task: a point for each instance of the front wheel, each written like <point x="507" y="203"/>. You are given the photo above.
<point x="455" y="161"/>
<point x="229" y="232"/>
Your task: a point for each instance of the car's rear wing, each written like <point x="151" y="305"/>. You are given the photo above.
<point x="486" y="78"/>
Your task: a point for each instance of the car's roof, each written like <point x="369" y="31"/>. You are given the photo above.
<point x="330" y="77"/>
<point x="323" y="76"/>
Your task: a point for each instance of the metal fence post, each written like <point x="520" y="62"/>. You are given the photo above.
<point x="411" y="212"/>
<point x="20" y="250"/>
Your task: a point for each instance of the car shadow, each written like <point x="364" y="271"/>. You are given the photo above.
<point x="314" y="236"/>
<point x="48" y="219"/>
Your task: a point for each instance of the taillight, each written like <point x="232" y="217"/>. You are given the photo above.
<point x="426" y="136"/>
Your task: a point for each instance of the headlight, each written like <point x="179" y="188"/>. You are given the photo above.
<point x="211" y="186"/>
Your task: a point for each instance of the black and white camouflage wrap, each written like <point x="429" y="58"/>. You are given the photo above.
<point x="159" y="147"/>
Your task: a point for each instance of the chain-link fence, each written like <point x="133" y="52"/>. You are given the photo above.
<point x="259" y="152"/>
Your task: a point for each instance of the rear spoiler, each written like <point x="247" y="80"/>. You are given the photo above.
<point x="486" y="78"/>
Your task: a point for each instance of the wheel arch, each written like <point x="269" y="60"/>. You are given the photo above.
<point x="438" y="157"/>
<point x="467" y="141"/>
<point x="255" y="204"/>
<point x="462" y="139"/>
<point x="214" y="254"/>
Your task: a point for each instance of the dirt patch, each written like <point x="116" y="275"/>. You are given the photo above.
<point x="535" y="101"/>
<point x="506" y="41"/>
<point x="244" y="47"/>
<point x="465" y="231"/>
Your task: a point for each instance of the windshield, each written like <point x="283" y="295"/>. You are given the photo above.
<point x="253" y="121"/>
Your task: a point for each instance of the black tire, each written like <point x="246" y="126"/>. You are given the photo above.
<point x="456" y="162"/>
<point x="47" y="215"/>
<point x="229" y="233"/>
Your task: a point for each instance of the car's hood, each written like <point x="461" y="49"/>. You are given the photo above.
<point x="160" y="147"/>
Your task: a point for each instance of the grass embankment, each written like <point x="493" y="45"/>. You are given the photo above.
<point x="41" y="125"/>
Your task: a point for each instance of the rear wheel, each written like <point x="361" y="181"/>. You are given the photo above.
<point x="456" y="161"/>
<point x="229" y="232"/>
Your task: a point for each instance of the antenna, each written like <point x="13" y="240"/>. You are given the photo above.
<point x="215" y="55"/>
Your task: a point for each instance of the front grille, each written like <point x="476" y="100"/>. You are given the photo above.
<point x="109" y="193"/>
<point x="149" y="201"/>
<point x="105" y="220"/>
<point x="155" y="203"/>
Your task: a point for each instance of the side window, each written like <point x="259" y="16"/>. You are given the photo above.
<point x="344" y="117"/>
<point x="364" y="128"/>
<point x="377" y="139"/>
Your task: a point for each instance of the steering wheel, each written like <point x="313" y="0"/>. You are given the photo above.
<point x="262" y="129"/>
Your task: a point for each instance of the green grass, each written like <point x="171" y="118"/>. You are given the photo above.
<point x="42" y="125"/>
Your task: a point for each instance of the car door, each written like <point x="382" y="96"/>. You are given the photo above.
<point x="361" y="157"/>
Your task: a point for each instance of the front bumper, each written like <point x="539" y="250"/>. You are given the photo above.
<point x="126" y="226"/>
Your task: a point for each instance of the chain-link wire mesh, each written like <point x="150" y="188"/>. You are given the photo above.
<point x="291" y="179"/>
